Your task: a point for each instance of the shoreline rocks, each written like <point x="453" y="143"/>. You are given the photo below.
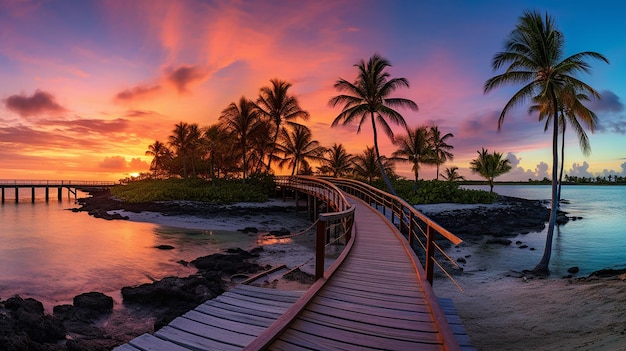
<point x="513" y="216"/>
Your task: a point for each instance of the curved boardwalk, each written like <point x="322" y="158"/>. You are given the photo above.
<point x="378" y="299"/>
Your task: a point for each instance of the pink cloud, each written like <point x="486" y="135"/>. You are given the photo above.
<point x="39" y="103"/>
<point x="137" y="92"/>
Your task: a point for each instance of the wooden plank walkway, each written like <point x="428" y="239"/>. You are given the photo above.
<point x="377" y="299"/>
<point x="228" y="322"/>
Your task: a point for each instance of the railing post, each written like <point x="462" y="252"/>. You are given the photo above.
<point x="410" y="229"/>
<point x="320" y="245"/>
<point x="430" y="253"/>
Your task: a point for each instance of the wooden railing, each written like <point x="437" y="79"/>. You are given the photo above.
<point x="420" y="230"/>
<point x="54" y="183"/>
<point x="339" y="221"/>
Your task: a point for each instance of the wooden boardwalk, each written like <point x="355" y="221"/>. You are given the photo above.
<point x="228" y="322"/>
<point x="377" y="299"/>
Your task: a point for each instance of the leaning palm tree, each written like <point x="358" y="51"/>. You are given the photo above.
<point x="369" y="98"/>
<point x="242" y="120"/>
<point x="451" y="174"/>
<point x="160" y="154"/>
<point x="440" y="147"/>
<point x="490" y="166"/>
<point x="279" y="107"/>
<point x="534" y="55"/>
<point x="415" y="147"/>
<point x="338" y="161"/>
<point x="298" y="148"/>
<point x="180" y="141"/>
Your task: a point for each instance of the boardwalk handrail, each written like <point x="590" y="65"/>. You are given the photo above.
<point x="409" y="220"/>
<point x="343" y="212"/>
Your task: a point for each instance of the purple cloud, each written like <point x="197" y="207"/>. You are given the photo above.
<point x="39" y="103"/>
<point x="136" y="92"/>
<point x="184" y="75"/>
<point x="609" y="102"/>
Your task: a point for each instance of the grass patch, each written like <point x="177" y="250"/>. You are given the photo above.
<point x="220" y="192"/>
<point x="434" y="191"/>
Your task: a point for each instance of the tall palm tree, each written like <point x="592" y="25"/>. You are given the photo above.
<point x="279" y="107"/>
<point x="490" y="166"/>
<point x="194" y="137"/>
<point x="369" y="98"/>
<point x="534" y="55"/>
<point x="180" y="141"/>
<point x="160" y="154"/>
<point x="367" y="164"/>
<point x="451" y="174"/>
<point x="415" y="147"/>
<point x="440" y="147"/>
<point x="242" y="119"/>
<point x="571" y="111"/>
<point x="338" y="161"/>
<point x="298" y="147"/>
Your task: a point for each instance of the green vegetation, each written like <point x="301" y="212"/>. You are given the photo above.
<point x="434" y="191"/>
<point x="196" y="189"/>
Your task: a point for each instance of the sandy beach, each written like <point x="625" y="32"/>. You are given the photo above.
<point x="500" y="309"/>
<point x="503" y="310"/>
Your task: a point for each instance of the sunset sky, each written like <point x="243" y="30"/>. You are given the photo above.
<point x="86" y="86"/>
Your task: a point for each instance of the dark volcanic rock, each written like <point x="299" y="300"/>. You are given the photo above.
<point x="102" y="202"/>
<point x="25" y="326"/>
<point x="96" y="301"/>
<point x="175" y="295"/>
<point x="515" y="217"/>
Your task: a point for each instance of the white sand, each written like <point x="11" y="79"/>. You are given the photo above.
<point x="508" y="313"/>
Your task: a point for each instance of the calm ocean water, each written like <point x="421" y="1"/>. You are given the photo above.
<point x="597" y="241"/>
<point x="52" y="254"/>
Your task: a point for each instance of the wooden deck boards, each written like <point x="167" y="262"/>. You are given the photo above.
<point x="228" y="322"/>
<point x="373" y="301"/>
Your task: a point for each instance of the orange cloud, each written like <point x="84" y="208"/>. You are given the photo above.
<point x="119" y="164"/>
<point x="39" y="103"/>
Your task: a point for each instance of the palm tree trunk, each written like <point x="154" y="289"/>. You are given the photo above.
<point x="437" y="171"/>
<point x="562" y="164"/>
<point x="380" y="162"/>
<point x="415" y="184"/>
<point x="542" y="266"/>
<point x="269" y="160"/>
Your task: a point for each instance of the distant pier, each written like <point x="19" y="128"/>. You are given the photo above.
<point x="71" y="185"/>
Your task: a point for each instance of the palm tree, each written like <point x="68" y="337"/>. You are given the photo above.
<point x="298" y="147"/>
<point x="571" y="111"/>
<point x="452" y="174"/>
<point x="160" y="154"/>
<point x="194" y="145"/>
<point x="415" y="147"/>
<point x="242" y="119"/>
<point x="490" y="166"/>
<point x="180" y="140"/>
<point x="369" y="98"/>
<point x="441" y="148"/>
<point x="367" y="165"/>
<point x="275" y="104"/>
<point x="338" y="162"/>
<point x="534" y="54"/>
